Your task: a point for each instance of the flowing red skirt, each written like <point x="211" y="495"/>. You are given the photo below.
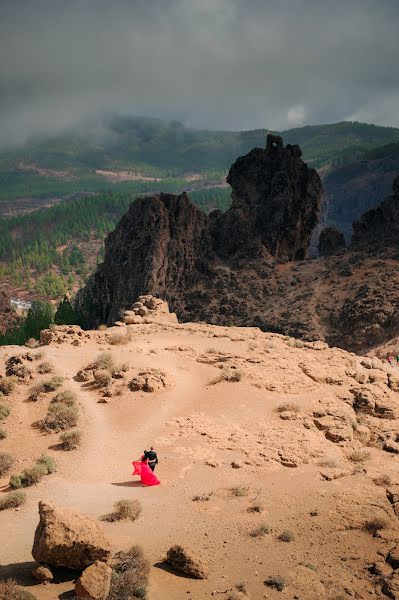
<point x="147" y="476"/>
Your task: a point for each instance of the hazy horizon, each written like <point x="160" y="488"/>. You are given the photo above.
<point x="212" y="64"/>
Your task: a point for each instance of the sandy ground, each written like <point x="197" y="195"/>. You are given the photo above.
<point x="285" y="464"/>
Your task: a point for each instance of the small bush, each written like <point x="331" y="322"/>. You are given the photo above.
<point x="239" y="491"/>
<point x="68" y="398"/>
<point x="15" y="482"/>
<point x="130" y="575"/>
<point x="330" y="463"/>
<point x="6" y="462"/>
<point x="52" y="384"/>
<point x="124" y="510"/>
<point x="202" y="498"/>
<point x="48" y="463"/>
<point x="4" y="412"/>
<point x="31" y="343"/>
<point x="382" y="480"/>
<point x="104" y="361"/>
<point x="260" y="531"/>
<point x="102" y="377"/>
<point x="10" y="591"/>
<point x="35" y="392"/>
<point x="33" y="475"/>
<point x="359" y="456"/>
<point x="7" y="385"/>
<point x="255" y="508"/>
<point x="12" y="500"/>
<point x="119" y="339"/>
<point x="102" y="327"/>
<point x="45" y="367"/>
<point x="3" y="434"/>
<point x="59" y="416"/>
<point x="231" y="375"/>
<point x="286" y="536"/>
<point x="278" y="583"/>
<point x="71" y="439"/>
<point x="376" y="524"/>
<point x="241" y="587"/>
<point x="287" y="406"/>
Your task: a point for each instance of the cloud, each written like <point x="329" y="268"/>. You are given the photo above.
<point x="212" y="63"/>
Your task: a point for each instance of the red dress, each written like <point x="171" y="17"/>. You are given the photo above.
<point x="147" y="476"/>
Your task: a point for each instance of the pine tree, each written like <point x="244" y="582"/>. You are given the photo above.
<point x="65" y="314"/>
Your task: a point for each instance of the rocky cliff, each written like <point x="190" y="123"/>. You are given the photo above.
<point x="239" y="267"/>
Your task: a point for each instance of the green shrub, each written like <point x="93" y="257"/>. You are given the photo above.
<point x="7" y="385"/>
<point x="33" y="475"/>
<point x="12" y="500"/>
<point x="4" y="412"/>
<point x="6" y="462"/>
<point x="124" y="510"/>
<point x="130" y="575"/>
<point x="52" y="384"/>
<point x="48" y="463"/>
<point x="59" y="416"/>
<point x="10" y="591"/>
<point x="67" y="397"/>
<point x="15" y="482"/>
<point x="71" y="439"/>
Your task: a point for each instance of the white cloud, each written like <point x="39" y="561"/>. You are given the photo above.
<point x="296" y="115"/>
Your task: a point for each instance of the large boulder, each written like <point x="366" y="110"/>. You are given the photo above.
<point x="65" y="538"/>
<point x="181" y="561"/>
<point x="95" y="582"/>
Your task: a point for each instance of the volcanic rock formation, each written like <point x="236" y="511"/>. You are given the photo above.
<point x="167" y="247"/>
<point x="331" y="241"/>
<point x="380" y="223"/>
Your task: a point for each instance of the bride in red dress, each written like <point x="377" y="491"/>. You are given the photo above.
<point x="147" y="476"/>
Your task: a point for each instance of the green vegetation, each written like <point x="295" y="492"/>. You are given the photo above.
<point x="39" y="317"/>
<point x="44" y="466"/>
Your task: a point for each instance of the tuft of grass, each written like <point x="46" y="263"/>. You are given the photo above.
<point x="255" y="508"/>
<point x="310" y="566"/>
<point x="66" y="397"/>
<point x="330" y="463"/>
<point x="286" y="536"/>
<point x="60" y="416"/>
<point x="6" y="462"/>
<point x="359" y="456"/>
<point x="119" y="339"/>
<point x="7" y="385"/>
<point x="70" y="440"/>
<point x="278" y="583"/>
<point x="44" y="368"/>
<point x="130" y="575"/>
<point x="9" y="590"/>
<point x="231" y="375"/>
<point x="4" y="412"/>
<point x="382" y="480"/>
<point x="3" y="434"/>
<point x="12" y="500"/>
<point x="48" y="463"/>
<point x="260" y="531"/>
<point x="239" y="491"/>
<point x="124" y="510"/>
<point x="287" y="406"/>
<point x="375" y="524"/>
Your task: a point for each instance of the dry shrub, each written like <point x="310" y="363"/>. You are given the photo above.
<point x="119" y="339"/>
<point x="231" y="375"/>
<point x="31" y="343"/>
<point x="60" y="416"/>
<point x="6" y="462"/>
<point x="287" y="406"/>
<point x="48" y="463"/>
<point x="129" y="575"/>
<point x="286" y="536"/>
<point x="3" y="434"/>
<point x="278" y="583"/>
<point x="375" y="524"/>
<point x="102" y="377"/>
<point x="66" y="397"/>
<point x="260" y="531"/>
<point x="35" y="392"/>
<point x="124" y="510"/>
<point x="382" y="480"/>
<point x="239" y="491"/>
<point x="45" y="367"/>
<point x="70" y="440"/>
<point x="104" y="361"/>
<point x="10" y="591"/>
<point x="359" y="456"/>
<point x="7" y="385"/>
<point x="255" y="508"/>
<point x="12" y="500"/>
<point x="242" y="587"/>
<point x="202" y="497"/>
<point x="4" y="412"/>
<point x="52" y="384"/>
<point x="330" y="463"/>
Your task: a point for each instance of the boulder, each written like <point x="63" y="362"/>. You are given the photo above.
<point x="95" y="582"/>
<point x="42" y="573"/>
<point x="181" y="561"/>
<point x="65" y="538"/>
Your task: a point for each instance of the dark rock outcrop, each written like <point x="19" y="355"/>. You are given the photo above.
<point x="380" y="223"/>
<point x="167" y="247"/>
<point x="331" y="241"/>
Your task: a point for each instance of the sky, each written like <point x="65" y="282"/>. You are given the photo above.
<point x="217" y="64"/>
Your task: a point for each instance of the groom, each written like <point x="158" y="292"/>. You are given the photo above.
<point x="152" y="457"/>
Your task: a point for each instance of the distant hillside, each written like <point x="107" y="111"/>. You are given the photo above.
<point x="146" y="147"/>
